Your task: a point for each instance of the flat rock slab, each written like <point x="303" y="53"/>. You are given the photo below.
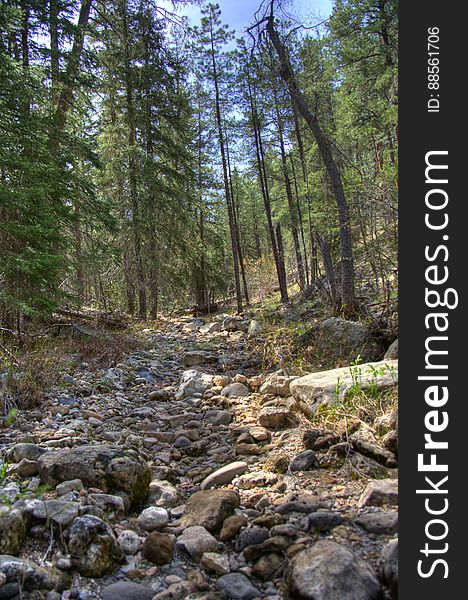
<point x="380" y="493"/>
<point x="330" y="387"/>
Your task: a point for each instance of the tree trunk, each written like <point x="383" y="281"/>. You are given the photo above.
<point x="227" y="191"/>
<point x="265" y="190"/>
<point x="347" y="258"/>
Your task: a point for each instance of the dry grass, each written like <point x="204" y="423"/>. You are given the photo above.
<point x="28" y="371"/>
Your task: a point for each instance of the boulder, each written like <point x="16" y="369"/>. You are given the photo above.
<point x="109" y="468"/>
<point x="332" y="386"/>
<point x="94" y="547"/>
<point x="347" y="339"/>
<point x="329" y="571"/>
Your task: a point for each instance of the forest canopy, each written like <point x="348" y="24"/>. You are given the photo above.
<point x="148" y="163"/>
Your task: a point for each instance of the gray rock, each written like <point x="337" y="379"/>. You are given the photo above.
<point x="210" y="327"/>
<point x="32" y="576"/>
<point x="94" y="547"/>
<point x="277" y="384"/>
<point x="218" y="417"/>
<point x="182" y="442"/>
<point x="153" y="517"/>
<point x="196" y="541"/>
<point x="126" y="590"/>
<point x="235" y="390"/>
<point x="199" y="357"/>
<point x="163" y="493"/>
<point x="209" y="508"/>
<point x="224" y="475"/>
<point x="305" y="461"/>
<point x="254" y="329"/>
<point x="75" y="485"/>
<point x="12" y="529"/>
<point x="25" y="450"/>
<point x="277" y="418"/>
<point x="60" y="512"/>
<point x="392" y="351"/>
<point x="330" y="387"/>
<point x="193" y="382"/>
<point x="348" y="339"/>
<point x="109" y="468"/>
<point x="329" y="571"/>
<point x="381" y="522"/>
<point x="129" y="541"/>
<point x="323" y="520"/>
<point x="112" y="506"/>
<point x="251" y="536"/>
<point x="379" y="493"/>
<point x="238" y="587"/>
<point x="390" y="567"/>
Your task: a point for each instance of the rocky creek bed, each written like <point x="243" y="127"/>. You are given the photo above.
<point x="184" y="472"/>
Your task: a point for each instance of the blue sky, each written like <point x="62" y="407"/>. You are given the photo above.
<point x="239" y="13"/>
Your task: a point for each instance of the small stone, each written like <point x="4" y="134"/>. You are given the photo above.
<point x="129" y="541"/>
<point x="196" y="541"/>
<point x="382" y="522"/>
<point x="126" y="590"/>
<point x="74" y="485"/>
<point x="379" y="493"/>
<point x="209" y="508"/>
<point x="232" y="526"/>
<point x="153" y="517"/>
<point x="216" y="563"/>
<point x="235" y="390"/>
<point x="277" y="418"/>
<point x="323" y="521"/>
<point x="267" y="565"/>
<point x="238" y="587"/>
<point x="158" y="548"/>
<point x="251" y="536"/>
<point x="305" y="461"/>
<point x="218" y="417"/>
<point x="182" y="442"/>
